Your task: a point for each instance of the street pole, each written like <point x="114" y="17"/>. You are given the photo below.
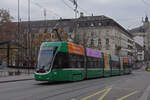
<point x="28" y="35"/>
<point x="18" y="35"/>
<point x="75" y="10"/>
<point x="76" y="6"/>
<point x="148" y="47"/>
<point x="45" y="15"/>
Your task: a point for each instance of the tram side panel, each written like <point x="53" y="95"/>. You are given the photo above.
<point x="73" y="63"/>
<point x="94" y="63"/>
<point x="107" y="67"/>
<point x="68" y="67"/>
<point x="115" y="65"/>
<point x="126" y="66"/>
<point x="121" y="66"/>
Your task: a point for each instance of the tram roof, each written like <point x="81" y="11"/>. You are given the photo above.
<point x="52" y="43"/>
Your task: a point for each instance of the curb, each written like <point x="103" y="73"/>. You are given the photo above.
<point x="15" y="80"/>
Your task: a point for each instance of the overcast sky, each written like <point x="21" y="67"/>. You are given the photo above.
<point x="128" y="13"/>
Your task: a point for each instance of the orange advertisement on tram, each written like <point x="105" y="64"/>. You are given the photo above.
<point x="77" y="49"/>
<point x="106" y="61"/>
<point x="125" y="60"/>
<point x="121" y="63"/>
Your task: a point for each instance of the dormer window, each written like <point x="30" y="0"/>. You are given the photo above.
<point x="92" y="24"/>
<point x="99" y="24"/>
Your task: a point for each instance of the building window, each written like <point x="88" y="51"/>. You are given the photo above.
<point x="99" y="34"/>
<point x="92" y="24"/>
<point x="99" y="44"/>
<point x="107" y="34"/>
<point x="92" y="42"/>
<point x="86" y="24"/>
<point x="107" y="44"/>
<point x="99" y="24"/>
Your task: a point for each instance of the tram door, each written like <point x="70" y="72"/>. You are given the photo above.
<point x="121" y="66"/>
<point x="125" y="64"/>
<point x="106" y="61"/>
<point x="107" y="70"/>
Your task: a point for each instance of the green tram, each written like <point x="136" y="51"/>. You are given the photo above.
<point x="64" y="61"/>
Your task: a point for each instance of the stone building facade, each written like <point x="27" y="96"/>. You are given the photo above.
<point x="98" y="32"/>
<point x="144" y="32"/>
<point x="103" y="33"/>
<point x="138" y="52"/>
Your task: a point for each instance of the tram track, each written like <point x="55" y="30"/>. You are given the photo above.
<point x="74" y="89"/>
<point x="70" y="87"/>
<point x="34" y="90"/>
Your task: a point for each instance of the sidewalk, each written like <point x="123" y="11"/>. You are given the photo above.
<point x="16" y="78"/>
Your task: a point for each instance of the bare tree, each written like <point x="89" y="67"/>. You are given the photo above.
<point x="7" y="28"/>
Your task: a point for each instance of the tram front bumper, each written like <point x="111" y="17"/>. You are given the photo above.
<point x="42" y="77"/>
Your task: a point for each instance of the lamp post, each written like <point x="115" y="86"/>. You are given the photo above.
<point x="28" y="35"/>
<point x="18" y="33"/>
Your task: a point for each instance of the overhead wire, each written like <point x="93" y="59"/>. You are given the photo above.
<point x="79" y="7"/>
<point x="83" y="10"/>
<point x="40" y="6"/>
<point x="67" y="5"/>
<point x="146" y="3"/>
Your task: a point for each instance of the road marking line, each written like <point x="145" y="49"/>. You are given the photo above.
<point x="124" y="88"/>
<point x="85" y="98"/>
<point x="145" y="94"/>
<point x="105" y="93"/>
<point x="126" y="96"/>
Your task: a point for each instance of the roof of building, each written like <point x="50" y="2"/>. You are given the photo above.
<point x="141" y="29"/>
<point x="106" y="21"/>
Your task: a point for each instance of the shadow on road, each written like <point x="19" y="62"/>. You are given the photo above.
<point x="86" y="80"/>
<point x="55" y="83"/>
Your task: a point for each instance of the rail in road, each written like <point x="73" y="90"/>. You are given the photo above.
<point x="129" y="87"/>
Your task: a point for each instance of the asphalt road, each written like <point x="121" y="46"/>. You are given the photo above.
<point x="135" y="86"/>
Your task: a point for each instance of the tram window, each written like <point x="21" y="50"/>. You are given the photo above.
<point x="72" y="61"/>
<point x="76" y="61"/>
<point x="61" y="60"/>
<point x="100" y="63"/>
<point x="90" y="64"/>
<point x="115" y="64"/>
<point x="94" y="62"/>
<point x="118" y="65"/>
<point x="125" y="65"/>
<point x="79" y="65"/>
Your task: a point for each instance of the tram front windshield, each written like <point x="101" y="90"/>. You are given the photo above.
<point x="45" y="58"/>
